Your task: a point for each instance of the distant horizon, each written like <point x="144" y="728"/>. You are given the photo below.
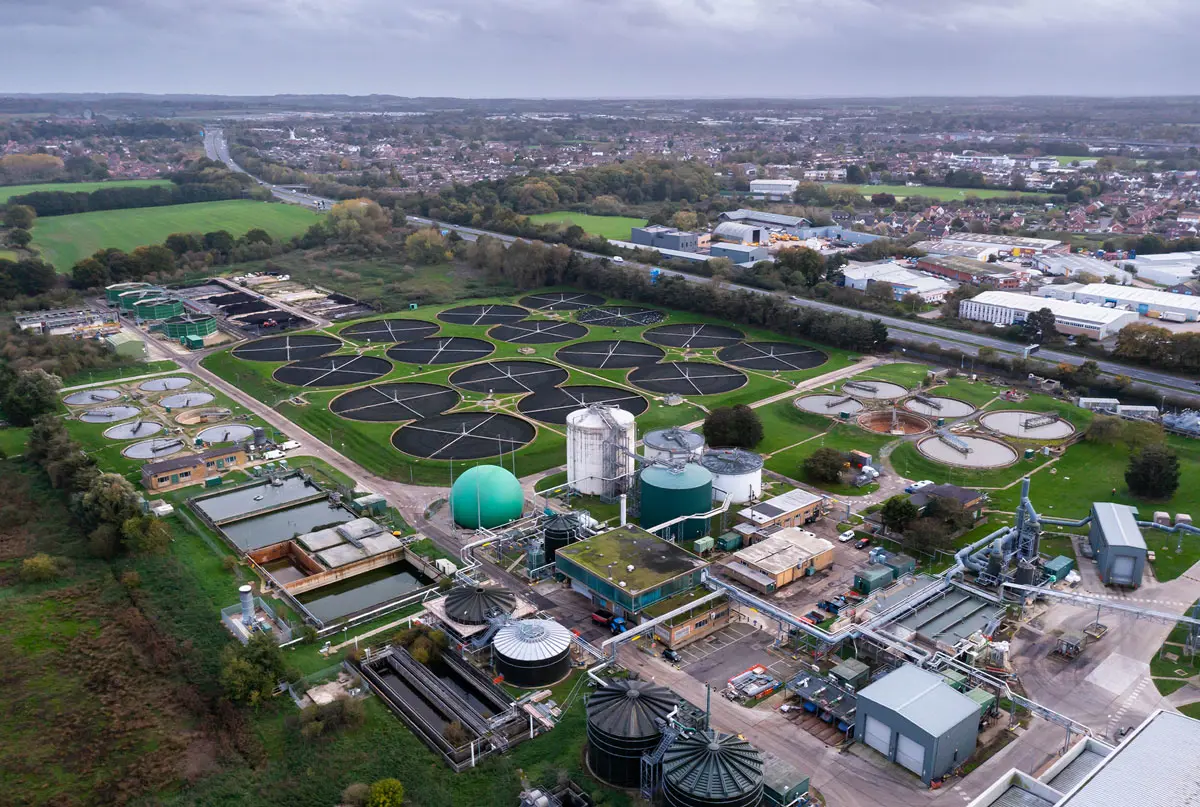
<point x="84" y="94"/>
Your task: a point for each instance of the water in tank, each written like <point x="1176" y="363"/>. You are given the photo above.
<point x="707" y="769"/>
<point x="625" y="720"/>
<point x="669" y="493"/>
<point x="475" y="605"/>
<point x="532" y="653"/>
<point x="560" y="530"/>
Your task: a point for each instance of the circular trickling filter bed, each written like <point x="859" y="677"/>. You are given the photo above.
<point x="333" y="371"/>
<point x="507" y="377"/>
<point x="182" y="400"/>
<point x="154" y="449"/>
<point x="134" y="430"/>
<point x="616" y="354"/>
<point x="772" y="356"/>
<point x="231" y="433"/>
<point x="935" y="406"/>
<point x="620" y="316"/>
<point x="109" y="414"/>
<point x="538" y="332"/>
<point x="287" y="348"/>
<point x="561" y="301"/>
<point x="381" y="403"/>
<point x="688" y="378"/>
<point x="1027" y="425"/>
<point x="463" y="436"/>
<point x="190" y="417"/>
<point x="483" y="314"/>
<point x="164" y="384"/>
<point x="893" y="421"/>
<point x="831" y="405"/>
<point x="968" y="451"/>
<point x="552" y="405"/>
<point x="91" y="396"/>
<point x="694" y="337"/>
<point x="441" y="350"/>
<point x="874" y="390"/>
<point x="390" y="330"/>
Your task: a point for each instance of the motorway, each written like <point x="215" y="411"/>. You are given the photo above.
<point x="901" y="330"/>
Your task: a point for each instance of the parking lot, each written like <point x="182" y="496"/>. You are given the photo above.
<point x="733" y="650"/>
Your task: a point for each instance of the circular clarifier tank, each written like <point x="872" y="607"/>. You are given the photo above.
<point x="154" y="449"/>
<point x="893" y="421"/>
<point x="968" y="451"/>
<point x="938" y="407"/>
<point x="109" y="414"/>
<point x="874" y="390"/>
<point x="1028" y="425"/>
<point x="233" y="433"/>
<point x="182" y="400"/>
<point x="832" y="405"/>
<point x="91" y="396"/>
<point x="134" y="430"/>
<point x="164" y="384"/>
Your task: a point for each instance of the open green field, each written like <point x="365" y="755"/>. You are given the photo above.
<point x="117" y="373"/>
<point x="612" y="227"/>
<point x="932" y="191"/>
<point x="1065" y="160"/>
<point x="65" y="240"/>
<point x="9" y="191"/>
<point x="9" y="255"/>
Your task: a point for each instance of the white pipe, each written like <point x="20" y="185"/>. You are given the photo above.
<point x="715" y="511"/>
<point x="624" y="512"/>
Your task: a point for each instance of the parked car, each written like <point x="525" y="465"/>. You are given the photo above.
<point x="816" y="616"/>
<point x="671" y="655"/>
<point x="862" y="543"/>
<point x="618" y="259"/>
<point x="848" y="535"/>
<point x="915" y="486"/>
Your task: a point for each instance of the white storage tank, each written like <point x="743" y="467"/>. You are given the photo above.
<point x="673" y="445"/>
<point x="600" y="441"/>
<point x="735" y="472"/>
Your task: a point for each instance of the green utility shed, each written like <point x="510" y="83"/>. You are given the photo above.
<point x="985" y="699"/>
<point x="126" y="345"/>
<point x="873" y="578"/>
<point x="852" y="672"/>
<point x="1057" y="568"/>
<point x="955" y="679"/>
<point x="783" y="785"/>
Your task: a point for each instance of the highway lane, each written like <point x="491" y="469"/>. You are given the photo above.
<point x="902" y="330"/>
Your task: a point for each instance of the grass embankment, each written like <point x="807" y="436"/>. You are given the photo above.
<point x="64" y="240"/>
<point x="118" y="373"/>
<point x="615" y="228"/>
<point x="9" y="191"/>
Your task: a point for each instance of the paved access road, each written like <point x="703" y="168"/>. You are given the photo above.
<point x="216" y="147"/>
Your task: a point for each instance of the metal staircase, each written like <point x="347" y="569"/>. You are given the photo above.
<point x="652" y="762"/>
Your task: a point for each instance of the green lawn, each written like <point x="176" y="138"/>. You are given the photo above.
<point x="612" y="227"/>
<point x="844" y="438"/>
<point x="1065" y="160"/>
<point x="912" y="464"/>
<point x="64" y="240"/>
<point x="117" y="373"/>
<point x="12" y="440"/>
<point x="932" y="191"/>
<point x="9" y="255"/>
<point x="9" y="191"/>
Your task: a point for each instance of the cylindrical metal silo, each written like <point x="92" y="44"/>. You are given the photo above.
<point x="475" y="605"/>
<point x="599" y="442"/>
<point x="668" y="493"/>
<point x="673" y="445"/>
<point x="532" y="653"/>
<point x="707" y="769"/>
<point x="623" y="723"/>
<point x="736" y="472"/>
<point x="560" y="530"/>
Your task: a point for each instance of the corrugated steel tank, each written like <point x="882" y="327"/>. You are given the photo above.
<point x="532" y="653"/>
<point x="668" y="493"/>
<point x="624" y="723"/>
<point x="707" y="769"/>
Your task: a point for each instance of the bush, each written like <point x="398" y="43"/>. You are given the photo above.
<point x="824" y="465"/>
<point x="1153" y="472"/>
<point x="455" y="734"/>
<point x="41" y="568"/>
<point x="355" y="795"/>
<point x="326" y="718"/>
<point x="131" y="579"/>
<point x="386" y="793"/>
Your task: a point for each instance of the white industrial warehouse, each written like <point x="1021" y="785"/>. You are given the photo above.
<point x="1006" y="308"/>
<point x="1150" y="302"/>
<point x="1072" y="265"/>
<point x="1166" y="269"/>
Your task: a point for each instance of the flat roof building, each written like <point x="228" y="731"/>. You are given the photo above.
<point x="739" y="253"/>
<point x="902" y="280"/>
<point x="917" y="720"/>
<point x="1017" y="245"/>
<point x="657" y="236"/>
<point x="791" y="509"/>
<point x="966" y="270"/>
<point x="1167" y="268"/>
<point x="939" y="248"/>
<point x="1070" y="265"/>
<point x="1148" y="302"/>
<point x="774" y="188"/>
<point x="780" y="559"/>
<point x="628" y="569"/>
<point x="1006" y="308"/>
<point x="191" y="469"/>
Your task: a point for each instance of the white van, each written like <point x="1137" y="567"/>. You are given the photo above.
<point x="273" y="455"/>
<point x="290" y="445"/>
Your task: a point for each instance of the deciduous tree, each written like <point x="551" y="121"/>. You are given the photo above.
<point x="1153" y="472"/>
<point x="733" y="427"/>
<point x="824" y="465"/>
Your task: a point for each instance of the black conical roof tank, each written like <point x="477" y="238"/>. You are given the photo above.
<point x="625" y="720"/>
<point x="706" y="769"/>
<point x="475" y="605"/>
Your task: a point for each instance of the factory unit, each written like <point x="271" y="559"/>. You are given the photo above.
<point x="190" y="470"/>
<point x="1012" y="244"/>
<point x="1165" y="269"/>
<point x="775" y="221"/>
<point x="917" y="720"/>
<point x="1147" y="302"/>
<point x="780" y="559"/>
<point x="966" y="270"/>
<point x="903" y="281"/>
<point x="792" y="509"/>
<point x="656" y="236"/>
<point x="739" y="253"/>
<point x="1072" y="264"/>
<point x="734" y="232"/>
<point x="690" y="626"/>
<point x="625" y="570"/>
<point x="126" y="345"/>
<point x="1007" y="308"/>
<point x="774" y="188"/>
<point x="1116" y="540"/>
<point x="58" y="319"/>
<point x="946" y="249"/>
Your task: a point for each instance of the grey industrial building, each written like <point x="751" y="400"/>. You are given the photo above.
<point x="656" y="236"/>
<point x="760" y="218"/>
<point x="1117" y="544"/>
<point x="917" y="720"/>
<point x="740" y="253"/>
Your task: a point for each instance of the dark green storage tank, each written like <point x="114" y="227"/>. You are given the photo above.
<point x="157" y="308"/>
<point x="669" y="493"/>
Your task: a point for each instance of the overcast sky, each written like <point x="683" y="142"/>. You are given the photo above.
<point x="614" y="48"/>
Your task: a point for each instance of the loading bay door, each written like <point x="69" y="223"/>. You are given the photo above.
<point x="878" y="736"/>
<point x="911" y="754"/>
<point x="1122" y="570"/>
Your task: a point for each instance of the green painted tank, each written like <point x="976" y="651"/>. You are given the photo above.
<point x="486" y="496"/>
<point x="669" y="493"/>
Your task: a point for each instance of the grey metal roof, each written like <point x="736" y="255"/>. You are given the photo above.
<point x="1118" y="522"/>
<point x="630" y="708"/>
<point x="1157" y="766"/>
<point x="474" y="605"/>
<point x="713" y="766"/>
<point x="743" y="214"/>
<point x="1076" y="770"/>
<point x="728" y="461"/>
<point x="732" y="229"/>
<point x="1017" y="796"/>
<point x="922" y="697"/>
<point x="674" y="439"/>
<point x="532" y="640"/>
